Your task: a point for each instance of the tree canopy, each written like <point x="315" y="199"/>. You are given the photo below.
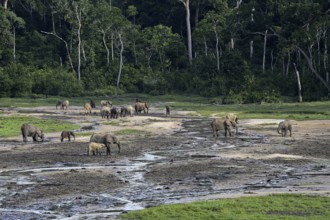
<point x="241" y="50"/>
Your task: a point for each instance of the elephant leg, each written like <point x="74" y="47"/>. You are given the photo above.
<point x="69" y="138"/>
<point x="108" y="149"/>
<point x="62" y="139"/>
<point x="118" y="145"/>
<point x="34" y="137"/>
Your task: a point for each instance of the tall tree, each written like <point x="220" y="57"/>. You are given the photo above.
<point x="189" y="40"/>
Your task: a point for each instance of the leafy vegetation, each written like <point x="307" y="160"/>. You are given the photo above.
<point x="266" y="207"/>
<point x="11" y="125"/>
<point x="249" y="51"/>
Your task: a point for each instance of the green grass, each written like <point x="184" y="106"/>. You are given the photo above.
<point x="271" y="207"/>
<point x="201" y="105"/>
<point x="11" y="125"/>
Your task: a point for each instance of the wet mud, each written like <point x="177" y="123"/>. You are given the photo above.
<point x="168" y="164"/>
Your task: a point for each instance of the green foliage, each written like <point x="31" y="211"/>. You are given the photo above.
<point x="11" y="125"/>
<point x="284" y="206"/>
<point x="154" y="40"/>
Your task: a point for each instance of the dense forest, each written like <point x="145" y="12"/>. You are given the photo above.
<point x="243" y="51"/>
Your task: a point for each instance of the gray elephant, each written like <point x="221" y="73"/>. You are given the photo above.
<point x="105" y="112"/>
<point x="126" y="110"/>
<point x="29" y="130"/>
<point x="222" y="124"/>
<point x="141" y="106"/>
<point x="107" y="140"/>
<point x="63" y="104"/>
<point x="284" y="127"/>
<point x="114" y="112"/>
<point x="68" y="135"/>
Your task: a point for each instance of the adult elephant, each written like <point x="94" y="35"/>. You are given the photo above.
<point x="106" y="139"/>
<point x="63" y="104"/>
<point x="29" y="130"/>
<point x="141" y="106"/>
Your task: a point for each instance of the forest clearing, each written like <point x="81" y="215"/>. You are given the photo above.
<point x="164" y="159"/>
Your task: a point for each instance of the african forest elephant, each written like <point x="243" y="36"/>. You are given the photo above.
<point x="283" y="127"/>
<point x="106" y="103"/>
<point x="105" y="112"/>
<point x="29" y="130"/>
<point x="126" y="110"/>
<point x="94" y="148"/>
<point x="141" y="106"/>
<point x="92" y="103"/>
<point x="233" y="118"/>
<point x="68" y="135"/>
<point x="114" y="112"/>
<point x="88" y="108"/>
<point x="107" y="140"/>
<point x="63" y="104"/>
<point x="221" y="124"/>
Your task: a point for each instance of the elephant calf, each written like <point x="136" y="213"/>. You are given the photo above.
<point x="94" y="148"/>
<point x="68" y="135"/>
<point x="222" y="124"/>
<point x="107" y="140"/>
<point x="88" y="108"/>
<point x="29" y="130"/>
<point x="284" y="127"/>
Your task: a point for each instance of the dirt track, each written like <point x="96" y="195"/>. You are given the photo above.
<point x="175" y="160"/>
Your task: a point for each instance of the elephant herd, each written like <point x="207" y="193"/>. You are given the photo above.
<point x="231" y="121"/>
<point x="97" y="141"/>
<point x="105" y="140"/>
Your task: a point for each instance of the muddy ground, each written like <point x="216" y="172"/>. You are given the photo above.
<point x="175" y="160"/>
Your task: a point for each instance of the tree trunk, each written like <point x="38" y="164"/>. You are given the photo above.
<point x="106" y="47"/>
<point x="120" y="62"/>
<point x="288" y="64"/>
<point x="217" y="51"/>
<point x="232" y="43"/>
<point x="14" y="44"/>
<point x="251" y="50"/>
<point x="312" y="68"/>
<point x="298" y="81"/>
<point x="5" y="4"/>
<point x="186" y="4"/>
<point x="66" y="46"/>
<point x="205" y="46"/>
<point x="264" y="54"/>
<point x="78" y="15"/>
<point x="272" y="60"/>
<point x="112" y="52"/>
<point x="325" y="59"/>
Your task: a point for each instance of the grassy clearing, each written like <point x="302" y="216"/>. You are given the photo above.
<point x="11" y="125"/>
<point x="201" y="105"/>
<point x="275" y="207"/>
